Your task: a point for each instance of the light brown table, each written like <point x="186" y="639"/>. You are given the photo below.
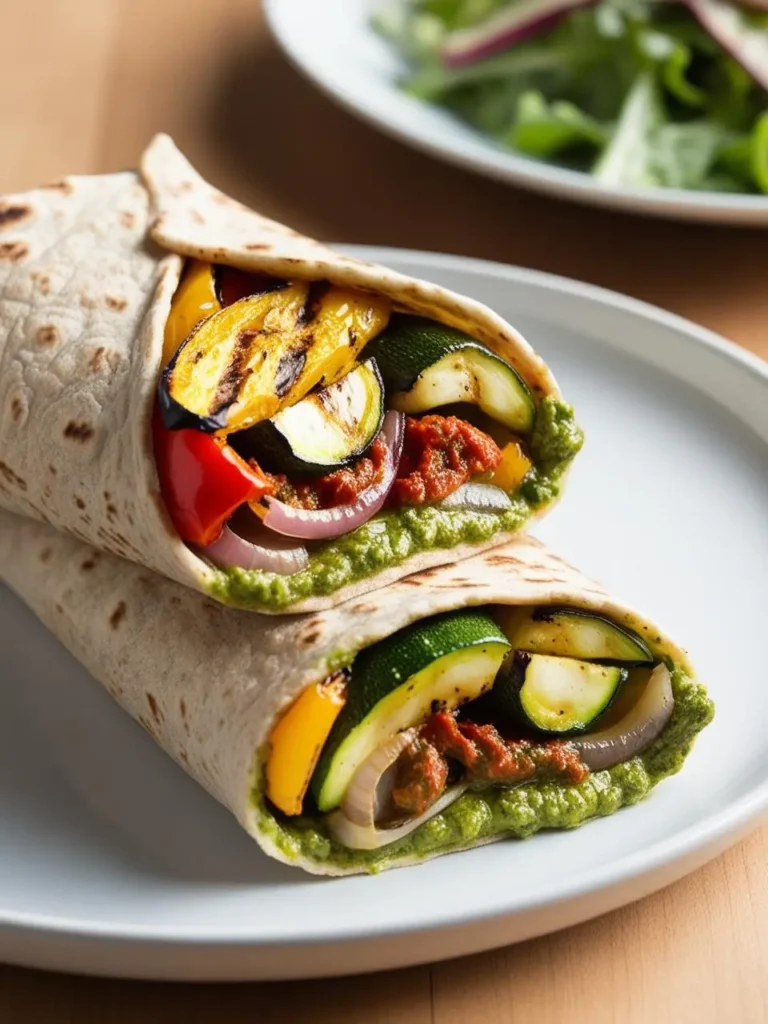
<point x="83" y="86"/>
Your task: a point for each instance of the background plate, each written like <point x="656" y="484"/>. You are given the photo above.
<point x="333" y="44"/>
<point x="113" y="861"/>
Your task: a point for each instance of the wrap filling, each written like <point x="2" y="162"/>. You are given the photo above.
<point x="307" y="434"/>
<point x="469" y="709"/>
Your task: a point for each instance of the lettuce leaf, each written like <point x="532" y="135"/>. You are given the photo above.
<point x="545" y="130"/>
<point x="634" y="90"/>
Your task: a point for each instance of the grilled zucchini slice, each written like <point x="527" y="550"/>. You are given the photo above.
<point x="426" y="365"/>
<point x="328" y="429"/>
<point x="555" y="696"/>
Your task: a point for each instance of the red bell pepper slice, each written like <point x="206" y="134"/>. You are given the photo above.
<point x="203" y="481"/>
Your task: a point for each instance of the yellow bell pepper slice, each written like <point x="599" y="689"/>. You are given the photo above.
<point x="297" y="740"/>
<point x="193" y="301"/>
<point x="246" y="362"/>
<point x="513" y="467"/>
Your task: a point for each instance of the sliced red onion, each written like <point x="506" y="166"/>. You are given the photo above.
<point x="258" y="549"/>
<point x="505" y="28"/>
<point x="369" y="837"/>
<point x="729" y="27"/>
<point x="370" y="788"/>
<point x="478" y="498"/>
<point x="323" y="524"/>
<point x="637" y="729"/>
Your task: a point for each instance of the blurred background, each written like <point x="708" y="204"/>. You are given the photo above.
<point x="85" y="85"/>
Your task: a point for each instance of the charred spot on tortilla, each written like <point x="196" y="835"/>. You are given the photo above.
<point x="78" y="431"/>
<point x="153" y="706"/>
<point x="364" y="609"/>
<point x="118" y="615"/>
<point x="127" y="219"/>
<point x="17" y="408"/>
<point x="497" y="559"/>
<point x="63" y="185"/>
<point x="47" y="335"/>
<point x="80" y="503"/>
<point x="116" y="302"/>
<point x="12" y="477"/>
<point x="45" y="554"/>
<point x="88" y="564"/>
<point x="258" y="246"/>
<point x="111" y="512"/>
<point x="43" y="282"/>
<point x="290" y="367"/>
<point x="12" y="213"/>
<point x="95" y="360"/>
<point x="13" y="251"/>
<point x="197" y="217"/>
<point x="311" y="637"/>
<point x="183" y="708"/>
<point x="60" y="609"/>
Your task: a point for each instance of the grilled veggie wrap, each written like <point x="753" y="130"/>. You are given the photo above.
<point x="475" y="701"/>
<point x="204" y="391"/>
<point x="208" y="393"/>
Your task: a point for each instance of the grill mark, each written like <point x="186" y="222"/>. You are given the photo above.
<point x="234" y="377"/>
<point x="290" y="367"/>
<point x="317" y="292"/>
<point x="11" y="214"/>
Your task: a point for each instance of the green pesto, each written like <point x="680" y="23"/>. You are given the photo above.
<point x="392" y="537"/>
<point x="516" y="812"/>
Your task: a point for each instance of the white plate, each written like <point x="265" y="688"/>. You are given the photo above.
<point x="113" y="861"/>
<point x="332" y="42"/>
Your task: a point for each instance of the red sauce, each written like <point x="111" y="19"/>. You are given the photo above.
<point x="439" y="455"/>
<point x="422" y="770"/>
<point x="341" y="487"/>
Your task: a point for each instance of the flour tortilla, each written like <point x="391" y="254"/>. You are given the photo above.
<point x="88" y="268"/>
<point x="209" y="682"/>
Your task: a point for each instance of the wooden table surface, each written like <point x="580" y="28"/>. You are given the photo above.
<point x="83" y="86"/>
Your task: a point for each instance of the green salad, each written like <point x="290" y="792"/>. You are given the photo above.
<point x="638" y="93"/>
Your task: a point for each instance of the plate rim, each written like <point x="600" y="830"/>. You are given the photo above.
<point x="701" y="840"/>
<point x="533" y="175"/>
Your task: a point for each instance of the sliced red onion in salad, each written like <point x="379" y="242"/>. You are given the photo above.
<point x="508" y="26"/>
<point x="728" y="25"/>
<point x="636" y="731"/>
<point x="245" y="544"/>
<point x="326" y="523"/>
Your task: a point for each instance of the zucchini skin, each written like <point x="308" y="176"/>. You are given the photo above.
<point x="390" y="664"/>
<point x="561" y="625"/>
<point x="408" y="347"/>
<point x="272" y="449"/>
<point x="505" y="700"/>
